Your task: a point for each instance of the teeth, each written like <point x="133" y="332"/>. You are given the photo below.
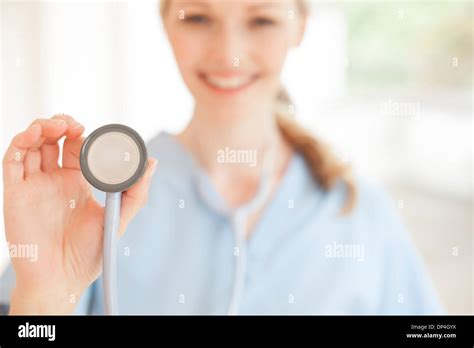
<point x="228" y="83"/>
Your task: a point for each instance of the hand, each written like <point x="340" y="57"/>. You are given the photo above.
<point x="51" y="208"/>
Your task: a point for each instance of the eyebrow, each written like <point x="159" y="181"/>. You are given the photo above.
<point x="265" y="4"/>
<point x="251" y="7"/>
<point x="192" y="3"/>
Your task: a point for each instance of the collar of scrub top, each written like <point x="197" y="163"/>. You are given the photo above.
<point x="238" y="217"/>
<point x="210" y="195"/>
<point x="205" y="189"/>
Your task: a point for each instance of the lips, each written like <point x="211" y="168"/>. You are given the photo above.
<point x="228" y="82"/>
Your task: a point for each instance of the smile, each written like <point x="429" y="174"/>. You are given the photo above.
<point x="230" y="84"/>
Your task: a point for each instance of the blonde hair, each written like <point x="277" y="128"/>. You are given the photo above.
<point x="324" y="166"/>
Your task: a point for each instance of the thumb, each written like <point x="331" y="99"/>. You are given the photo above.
<point x="136" y="197"/>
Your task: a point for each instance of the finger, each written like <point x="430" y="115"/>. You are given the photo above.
<point x="13" y="161"/>
<point x="50" y="147"/>
<point x="72" y="153"/>
<point x="51" y="131"/>
<point x="74" y="128"/>
<point x="135" y="198"/>
<point x="32" y="163"/>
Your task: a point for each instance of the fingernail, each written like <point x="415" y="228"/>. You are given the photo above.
<point x="78" y="125"/>
<point x="34" y="126"/>
<point x="59" y="122"/>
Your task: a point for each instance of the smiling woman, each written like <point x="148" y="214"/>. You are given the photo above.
<point x="243" y="215"/>
<point x="269" y="29"/>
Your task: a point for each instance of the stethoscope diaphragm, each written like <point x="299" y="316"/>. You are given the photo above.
<point x="113" y="158"/>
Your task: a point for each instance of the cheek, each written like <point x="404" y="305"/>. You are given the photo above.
<point x="271" y="51"/>
<point x="187" y="50"/>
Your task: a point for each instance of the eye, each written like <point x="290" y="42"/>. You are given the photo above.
<point x="196" y="19"/>
<point x="262" y="22"/>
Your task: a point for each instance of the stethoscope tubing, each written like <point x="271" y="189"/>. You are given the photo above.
<point x="109" y="259"/>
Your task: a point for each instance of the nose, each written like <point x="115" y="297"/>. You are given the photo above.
<point x="228" y="47"/>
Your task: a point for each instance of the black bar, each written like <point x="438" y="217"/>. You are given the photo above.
<point x="290" y="330"/>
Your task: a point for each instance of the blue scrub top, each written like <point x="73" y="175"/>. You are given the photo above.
<point x="181" y="253"/>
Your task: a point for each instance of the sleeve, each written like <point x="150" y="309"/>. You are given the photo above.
<point x="84" y="307"/>
<point x="406" y="287"/>
<point x="7" y="282"/>
<point x="96" y="306"/>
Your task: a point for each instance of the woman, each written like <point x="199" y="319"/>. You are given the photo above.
<point x="283" y="229"/>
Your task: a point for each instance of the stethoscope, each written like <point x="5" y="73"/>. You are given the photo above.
<point x="238" y="218"/>
<point x="113" y="158"/>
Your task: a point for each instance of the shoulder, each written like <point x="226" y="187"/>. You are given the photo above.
<point x="378" y="222"/>
<point x="162" y="145"/>
<point x="379" y="210"/>
<point x="372" y="202"/>
<point x="374" y="218"/>
<point x="175" y="164"/>
<point x="372" y="198"/>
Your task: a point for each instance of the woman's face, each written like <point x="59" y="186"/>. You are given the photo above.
<point x="230" y="53"/>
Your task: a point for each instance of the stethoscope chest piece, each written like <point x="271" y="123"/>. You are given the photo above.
<point x="113" y="158"/>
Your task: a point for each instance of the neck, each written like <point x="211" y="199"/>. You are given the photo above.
<point x="232" y="145"/>
<point x="211" y="138"/>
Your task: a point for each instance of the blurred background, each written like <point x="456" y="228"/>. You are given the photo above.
<point x="388" y="84"/>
